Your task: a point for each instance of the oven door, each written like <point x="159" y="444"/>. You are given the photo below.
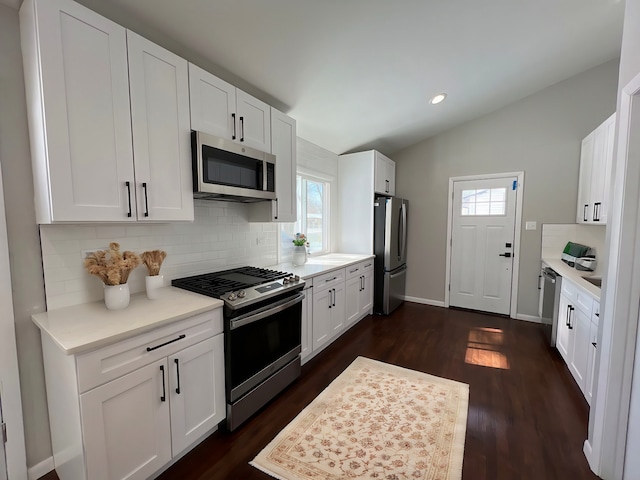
<point x="259" y="343"/>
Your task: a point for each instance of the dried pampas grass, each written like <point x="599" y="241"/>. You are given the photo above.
<point x="153" y="261"/>
<point x="111" y="266"/>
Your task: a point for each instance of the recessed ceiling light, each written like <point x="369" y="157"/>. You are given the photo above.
<point x="438" y="98"/>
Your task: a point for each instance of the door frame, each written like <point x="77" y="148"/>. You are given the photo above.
<point x="516" y="241"/>
<point x="606" y="447"/>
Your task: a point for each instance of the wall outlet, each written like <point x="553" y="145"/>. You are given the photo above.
<point x="531" y="225"/>
<point x="261" y="240"/>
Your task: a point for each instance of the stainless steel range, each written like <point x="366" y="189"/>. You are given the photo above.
<point x="262" y="330"/>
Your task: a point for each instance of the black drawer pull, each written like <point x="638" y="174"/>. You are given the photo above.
<point x="163" y="398"/>
<point x="151" y="349"/>
<point x="177" y="375"/>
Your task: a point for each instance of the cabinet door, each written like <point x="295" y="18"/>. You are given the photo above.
<point x="213" y="104"/>
<point x="322" y="327"/>
<point x="126" y="425"/>
<point x="253" y="122"/>
<point x="609" y="134"/>
<point x="78" y="93"/>
<point x="585" y="207"/>
<point x="159" y="85"/>
<point x="352" y="301"/>
<point x="339" y="311"/>
<point x="562" y="335"/>
<point x="196" y="391"/>
<point x="591" y="362"/>
<point x="381" y="173"/>
<point x="581" y="325"/>
<point x="391" y="176"/>
<point x="283" y="146"/>
<point x="307" y="324"/>
<point x="366" y="294"/>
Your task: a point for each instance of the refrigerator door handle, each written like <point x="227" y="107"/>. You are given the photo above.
<point x="400" y="233"/>
<point x="403" y="217"/>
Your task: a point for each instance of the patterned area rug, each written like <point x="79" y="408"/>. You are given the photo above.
<point x="375" y="420"/>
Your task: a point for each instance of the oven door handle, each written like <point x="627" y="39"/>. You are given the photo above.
<point x="272" y="309"/>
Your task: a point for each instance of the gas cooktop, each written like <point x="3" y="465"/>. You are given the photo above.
<point x="240" y="286"/>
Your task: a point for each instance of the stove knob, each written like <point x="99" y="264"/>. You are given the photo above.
<point x="285" y="280"/>
<point x="232" y="296"/>
<point x="241" y="294"/>
<point x="297" y="278"/>
<point x="292" y="279"/>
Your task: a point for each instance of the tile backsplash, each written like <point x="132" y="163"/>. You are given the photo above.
<point x="220" y="237"/>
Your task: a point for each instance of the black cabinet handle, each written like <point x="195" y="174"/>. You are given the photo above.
<point x="386" y="186"/>
<point x="595" y="212"/>
<point x="128" y="184"/>
<point x="584" y="213"/>
<point x="146" y="200"/>
<point x="566" y="322"/>
<point x="506" y="254"/>
<point x="277" y="210"/>
<point x="330" y="300"/>
<point x="151" y="349"/>
<point x="598" y="314"/>
<point x="163" y="398"/>
<point x="233" y="118"/>
<point x="242" y="129"/>
<point x="595" y="345"/>
<point x="177" y="375"/>
<point x="570" y="312"/>
<point x="334" y="297"/>
<point x="539" y="282"/>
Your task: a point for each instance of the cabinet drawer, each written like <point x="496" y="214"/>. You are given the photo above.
<point x="328" y="280"/>
<point x="110" y="362"/>
<point x="353" y="270"/>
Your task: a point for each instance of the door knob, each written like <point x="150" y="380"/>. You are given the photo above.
<point x="506" y="254"/>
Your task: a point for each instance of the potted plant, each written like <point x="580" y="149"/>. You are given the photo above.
<point x="113" y="268"/>
<point x="300" y="249"/>
<point x="153" y="281"/>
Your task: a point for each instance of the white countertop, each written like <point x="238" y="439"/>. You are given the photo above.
<point x="576" y="276"/>
<point x="88" y="326"/>
<point x="321" y="264"/>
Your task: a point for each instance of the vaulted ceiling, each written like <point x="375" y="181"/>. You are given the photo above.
<point x="359" y="73"/>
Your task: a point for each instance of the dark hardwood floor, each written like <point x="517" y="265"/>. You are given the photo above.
<point x="527" y="417"/>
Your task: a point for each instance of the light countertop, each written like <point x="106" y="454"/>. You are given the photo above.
<point x="576" y="276"/>
<point x="88" y="326"/>
<point x="321" y="264"/>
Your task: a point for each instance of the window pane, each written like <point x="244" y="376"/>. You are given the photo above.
<point x="315" y="197"/>
<point x="468" y="209"/>
<point x="468" y="196"/>
<point x="498" y="194"/>
<point x="483" y="195"/>
<point x="482" y="208"/>
<point x="497" y="208"/>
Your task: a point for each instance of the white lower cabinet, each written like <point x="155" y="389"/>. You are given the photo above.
<point x="577" y="333"/>
<point x="328" y="308"/>
<point x="167" y="394"/>
<point x="359" y="291"/>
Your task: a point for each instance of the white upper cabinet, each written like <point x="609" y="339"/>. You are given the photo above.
<point x="384" y="175"/>
<point x="159" y="86"/>
<point x="80" y="119"/>
<point x="596" y="159"/>
<point x="218" y="108"/>
<point x="283" y="146"/>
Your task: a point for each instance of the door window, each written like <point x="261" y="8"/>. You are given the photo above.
<point x="485" y="201"/>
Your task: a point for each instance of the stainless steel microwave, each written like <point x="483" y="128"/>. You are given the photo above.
<point x="225" y="170"/>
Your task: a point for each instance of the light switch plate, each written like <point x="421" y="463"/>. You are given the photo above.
<point x="531" y="225"/>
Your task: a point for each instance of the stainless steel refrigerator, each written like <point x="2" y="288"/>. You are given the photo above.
<point x="390" y="248"/>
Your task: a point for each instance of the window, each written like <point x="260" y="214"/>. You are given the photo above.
<point x="486" y="201"/>
<point x="313" y="212"/>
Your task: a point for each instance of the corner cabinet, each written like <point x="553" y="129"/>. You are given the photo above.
<point x="283" y="146"/>
<point x="596" y="160"/>
<point x="124" y="411"/>
<point x="100" y="97"/>
<point x="218" y="108"/>
<point x="361" y="176"/>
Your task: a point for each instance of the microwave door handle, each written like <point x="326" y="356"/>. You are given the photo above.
<point x="259" y="315"/>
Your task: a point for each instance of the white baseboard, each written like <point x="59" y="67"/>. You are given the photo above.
<point x="41" y="469"/>
<point x="528" y="318"/>
<point x="424" y="301"/>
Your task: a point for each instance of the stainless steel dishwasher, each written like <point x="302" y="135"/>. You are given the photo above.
<point x="550" y="299"/>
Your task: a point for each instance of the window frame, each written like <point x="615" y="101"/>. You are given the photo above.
<point x="326" y="209"/>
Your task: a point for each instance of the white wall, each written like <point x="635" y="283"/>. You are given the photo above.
<point x="219" y="238"/>
<point x="539" y="135"/>
<point x="24" y="245"/>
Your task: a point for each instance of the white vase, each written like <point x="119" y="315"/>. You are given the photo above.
<point x="153" y="284"/>
<point x="116" y="297"/>
<point x="299" y="255"/>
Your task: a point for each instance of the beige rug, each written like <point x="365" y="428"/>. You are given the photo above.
<point x="375" y="420"/>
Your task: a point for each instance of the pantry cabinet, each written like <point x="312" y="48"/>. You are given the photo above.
<point x="328" y="308"/>
<point x="283" y="146"/>
<point x="596" y="159"/>
<point x="127" y="409"/>
<point x="218" y="108"/>
<point x="81" y="110"/>
<point x="361" y="176"/>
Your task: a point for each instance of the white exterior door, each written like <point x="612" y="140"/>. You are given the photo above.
<point x="482" y="244"/>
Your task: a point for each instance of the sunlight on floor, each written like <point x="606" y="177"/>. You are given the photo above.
<point x="483" y="348"/>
